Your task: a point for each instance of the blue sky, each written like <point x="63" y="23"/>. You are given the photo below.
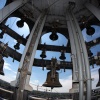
<point x="38" y="76"/>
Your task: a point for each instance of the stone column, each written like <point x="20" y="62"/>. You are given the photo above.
<point x="25" y="67"/>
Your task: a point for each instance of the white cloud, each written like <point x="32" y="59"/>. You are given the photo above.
<point x="7" y="67"/>
<point x="7" y="78"/>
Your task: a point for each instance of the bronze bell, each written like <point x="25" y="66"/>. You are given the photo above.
<point x="98" y="84"/>
<point x="90" y="30"/>
<point x="52" y="82"/>
<point x="20" y="23"/>
<point x="43" y="55"/>
<point x="1" y="65"/>
<point x="17" y="46"/>
<point x="53" y="35"/>
<point x="62" y="57"/>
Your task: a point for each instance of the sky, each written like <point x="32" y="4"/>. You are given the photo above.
<point x="38" y="76"/>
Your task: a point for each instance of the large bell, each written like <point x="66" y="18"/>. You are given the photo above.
<point x="90" y="30"/>
<point x="1" y="65"/>
<point x="20" y="23"/>
<point x="98" y="84"/>
<point x="53" y="35"/>
<point x="52" y="82"/>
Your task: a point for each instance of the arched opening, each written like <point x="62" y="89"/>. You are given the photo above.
<point x="88" y="38"/>
<point x="59" y="42"/>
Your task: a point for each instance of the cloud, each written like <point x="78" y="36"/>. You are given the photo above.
<point x="7" y="78"/>
<point x="7" y="67"/>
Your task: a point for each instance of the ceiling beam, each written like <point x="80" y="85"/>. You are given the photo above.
<point x="16" y="36"/>
<point x="43" y="63"/>
<point x="37" y="62"/>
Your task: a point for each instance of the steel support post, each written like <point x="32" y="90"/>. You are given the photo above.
<point x="27" y="59"/>
<point x="94" y="10"/>
<point x="78" y="54"/>
<point x="10" y="8"/>
<point x="85" y="57"/>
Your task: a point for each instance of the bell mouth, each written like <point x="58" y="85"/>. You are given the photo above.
<point x="53" y="36"/>
<point x="51" y="85"/>
<point x="90" y="30"/>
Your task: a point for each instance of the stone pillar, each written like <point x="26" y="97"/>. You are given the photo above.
<point x="86" y="66"/>
<point x="10" y="8"/>
<point x="27" y="59"/>
<point x="94" y="10"/>
<point x="77" y="59"/>
<point x="75" y="83"/>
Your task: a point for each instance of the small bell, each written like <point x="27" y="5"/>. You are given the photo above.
<point x="20" y="23"/>
<point x="53" y="35"/>
<point x="43" y="55"/>
<point x="98" y="84"/>
<point x="62" y="57"/>
<point x="1" y="65"/>
<point x="90" y="30"/>
<point x="17" y="46"/>
<point x="1" y="34"/>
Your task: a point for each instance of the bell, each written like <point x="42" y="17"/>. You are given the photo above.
<point x="98" y="84"/>
<point x="1" y="34"/>
<point x="53" y="35"/>
<point x="1" y="65"/>
<point x="20" y="23"/>
<point x="62" y="57"/>
<point x="17" y="46"/>
<point x="52" y="82"/>
<point x="43" y="55"/>
<point x="90" y="30"/>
